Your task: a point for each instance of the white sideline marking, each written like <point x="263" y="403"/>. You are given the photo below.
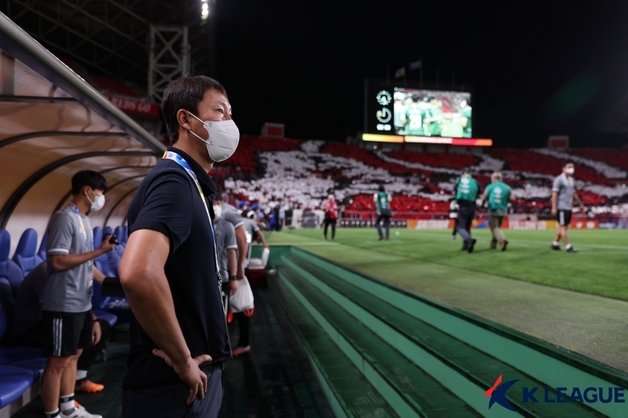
<point x="305" y="244"/>
<point x="529" y="243"/>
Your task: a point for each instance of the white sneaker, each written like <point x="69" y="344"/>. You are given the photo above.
<point x="79" y="412"/>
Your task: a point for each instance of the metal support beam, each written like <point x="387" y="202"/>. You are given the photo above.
<point x="169" y="58"/>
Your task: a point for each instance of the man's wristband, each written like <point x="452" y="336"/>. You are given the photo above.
<point x="233" y="277"/>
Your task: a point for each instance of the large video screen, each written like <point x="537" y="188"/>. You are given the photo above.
<point x="432" y="113"/>
<point x="395" y="113"/>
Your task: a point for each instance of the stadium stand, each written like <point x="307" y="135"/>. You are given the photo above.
<point x="613" y="157"/>
<point x="449" y="160"/>
<point x="245" y="164"/>
<point x="111" y="86"/>
<point x="404" y="207"/>
<point x="300" y="174"/>
<point x="364" y="156"/>
<point x="532" y="161"/>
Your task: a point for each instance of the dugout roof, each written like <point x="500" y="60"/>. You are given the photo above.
<point x="52" y="124"/>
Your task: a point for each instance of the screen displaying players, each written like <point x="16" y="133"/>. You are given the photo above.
<point x="431" y="113"/>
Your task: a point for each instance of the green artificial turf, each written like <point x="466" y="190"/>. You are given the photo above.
<point x="575" y="300"/>
<point x="600" y="267"/>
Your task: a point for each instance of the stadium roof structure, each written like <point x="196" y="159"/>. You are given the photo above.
<point x="111" y="37"/>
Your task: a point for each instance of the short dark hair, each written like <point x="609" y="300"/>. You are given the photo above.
<point x="381" y="188"/>
<point x="185" y="93"/>
<point x="89" y="178"/>
<point x="219" y="196"/>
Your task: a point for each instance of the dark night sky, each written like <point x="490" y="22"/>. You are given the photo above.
<point x="534" y="68"/>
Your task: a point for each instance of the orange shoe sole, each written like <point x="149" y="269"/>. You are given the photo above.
<point x="88" y="386"/>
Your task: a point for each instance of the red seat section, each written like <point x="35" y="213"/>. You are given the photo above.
<point x="245" y="159"/>
<point x="614" y="157"/>
<point x="112" y="86"/>
<point x="403" y="206"/>
<point x="525" y="160"/>
<point x="364" y="156"/>
<point x="454" y="161"/>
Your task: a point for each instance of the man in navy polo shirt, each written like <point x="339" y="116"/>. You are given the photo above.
<point x="169" y="270"/>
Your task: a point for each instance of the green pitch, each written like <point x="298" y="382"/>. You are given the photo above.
<point x="577" y="301"/>
<point x="599" y="268"/>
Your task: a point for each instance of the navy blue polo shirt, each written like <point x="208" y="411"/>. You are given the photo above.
<point x="168" y="201"/>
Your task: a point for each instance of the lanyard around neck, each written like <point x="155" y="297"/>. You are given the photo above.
<point x="171" y="155"/>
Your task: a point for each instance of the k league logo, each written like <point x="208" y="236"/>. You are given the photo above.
<point x="497" y="393"/>
<point x="586" y="395"/>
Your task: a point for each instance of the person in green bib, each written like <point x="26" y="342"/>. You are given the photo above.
<point x="466" y="194"/>
<point x="497" y="194"/>
<point x="382" y="205"/>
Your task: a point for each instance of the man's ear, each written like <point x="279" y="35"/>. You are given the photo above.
<point x="183" y="119"/>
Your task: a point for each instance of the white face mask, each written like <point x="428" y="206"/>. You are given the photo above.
<point x="222" y="140"/>
<point x="98" y="203"/>
<point x="217" y="210"/>
<point x="570" y="171"/>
